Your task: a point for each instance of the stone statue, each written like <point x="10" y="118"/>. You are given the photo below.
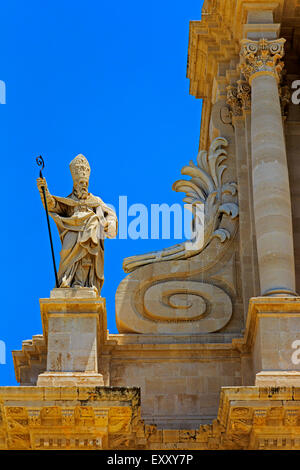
<point x="83" y="221"/>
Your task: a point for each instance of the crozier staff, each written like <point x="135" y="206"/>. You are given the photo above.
<point x="40" y="162"/>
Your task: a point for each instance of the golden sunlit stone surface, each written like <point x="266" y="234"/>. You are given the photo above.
<point x="109" y="418"/>
<point x="207" y="351"/>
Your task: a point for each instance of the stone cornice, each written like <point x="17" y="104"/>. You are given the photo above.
<point x="125" y="347"/>
<point x="210" y="41"/>
<point x="110" y="418"/>
<point x="216" y="38"/>
<point x="215" y="41"/>
<point x="259" y="417"/>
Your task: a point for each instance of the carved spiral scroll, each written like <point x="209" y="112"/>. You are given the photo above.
<point x="188" y="301"/>
<point x="153" y="300"/>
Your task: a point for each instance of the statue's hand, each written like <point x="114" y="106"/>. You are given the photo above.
<point x="41" y="182"/>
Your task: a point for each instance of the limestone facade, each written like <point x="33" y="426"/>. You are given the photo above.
<point x="206" y="355"/>
<point x="52" y="418"/>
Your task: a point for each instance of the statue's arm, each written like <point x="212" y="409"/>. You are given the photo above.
<point x="51" y="203"/>
<point x="109" y="220"/>
<point x="111" y="229"/>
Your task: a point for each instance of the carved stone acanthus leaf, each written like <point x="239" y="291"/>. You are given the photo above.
<point x="207" y="188"/>
<point x="262" y="56"/>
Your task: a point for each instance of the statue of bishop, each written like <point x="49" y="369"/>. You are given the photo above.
<point x="83" y="221"/>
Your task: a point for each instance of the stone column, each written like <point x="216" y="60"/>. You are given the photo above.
<point x="244" y="94"/>
<point x="261" y="65"/>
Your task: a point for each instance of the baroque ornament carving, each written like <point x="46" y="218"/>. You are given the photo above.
<point x="244" y="94"/>
<point x="262" y="57"/>
<point x="239" y="98"/>
<point x="102" y="423"/>
<point x="207" y="188"/>
<point x="233" y="101"/>
<point x="182" y="288"/>
<point x="285" y="99"/>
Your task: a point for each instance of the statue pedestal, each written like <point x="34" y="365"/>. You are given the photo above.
<point x="74" y="323"/>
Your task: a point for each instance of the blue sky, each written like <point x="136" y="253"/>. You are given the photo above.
<point x="106" y="79"/>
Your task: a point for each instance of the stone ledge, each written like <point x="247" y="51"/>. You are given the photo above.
<point x="74" y="293"/>
<point x="278" y="379"/>
<point x="29" y="394"/>
<point x="69" y="379"/>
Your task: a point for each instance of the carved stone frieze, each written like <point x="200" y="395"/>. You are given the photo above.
<point x="86" y="418"/>
<point x="111" y="419"/>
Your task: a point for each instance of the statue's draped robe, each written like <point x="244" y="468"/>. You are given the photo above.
<point x="80" y="226"/>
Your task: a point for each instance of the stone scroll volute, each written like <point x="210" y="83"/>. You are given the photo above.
<point x="187" y="291"/>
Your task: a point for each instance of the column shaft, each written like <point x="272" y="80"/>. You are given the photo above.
<point x="271" y="191"/>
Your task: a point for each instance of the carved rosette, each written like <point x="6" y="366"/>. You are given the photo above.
<point x="262" y="57"/>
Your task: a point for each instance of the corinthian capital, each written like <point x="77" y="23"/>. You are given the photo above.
<point x="262" y="58"/>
